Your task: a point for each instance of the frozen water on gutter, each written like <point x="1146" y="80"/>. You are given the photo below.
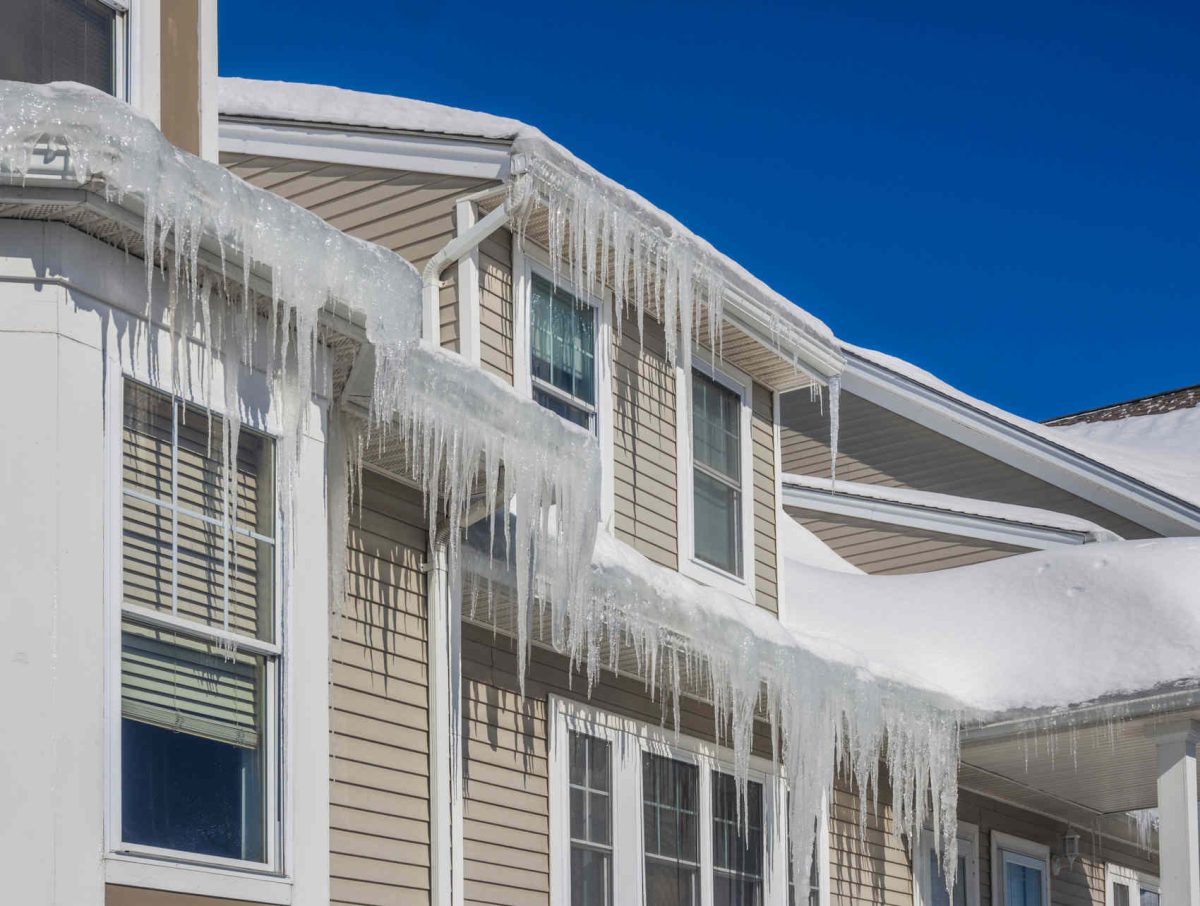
<point x="466" y="432"/>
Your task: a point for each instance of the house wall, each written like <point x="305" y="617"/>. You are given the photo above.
<point x="876" y="446"/>
<point x="70" y="325"/>
<point x="505" y="760"/>
<point x="379" y="748"/>
<point x="180" y="73"/>
<point x="410" y="213"/>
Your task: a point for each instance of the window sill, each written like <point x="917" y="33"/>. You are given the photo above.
<point x="712" y="577"/>
<point x="204" y="880"/>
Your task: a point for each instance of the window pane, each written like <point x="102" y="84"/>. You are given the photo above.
<point x="670" y="792"/>
<point x="737" y="843"/>
<point x="193" y="745"/>
<point x="1120" y="895"/>
<point x="591" y="821"/>
<point x="671" y="883"/>
<point x="562" y="341"/>
<point x="716" y="426"/>
<point x="1148" y="897"/>
<point x="58" y="40"/>
<point x="563" y="409"/>
<point x="937" y="881"/>
<point x="1022" y="885"/>
<point x="183" y="551"/>
<point x="717" y="513"/>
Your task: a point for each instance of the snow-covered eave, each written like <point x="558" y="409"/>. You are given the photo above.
<point x="1009" y="441"/>
<point x="943" y="513"/>
<point x="312" y="115"/>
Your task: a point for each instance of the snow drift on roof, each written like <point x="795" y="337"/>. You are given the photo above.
<point x="950" y="503"/>
<point x="1151" y="457"/>
<point x="1043" y="629"/>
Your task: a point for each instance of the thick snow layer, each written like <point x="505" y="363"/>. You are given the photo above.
<point x="803" y="546"/>
<point x="598" y="226"/>
<point x="1159" y="459"/>
<point x="1163" y="448"/>
<point x="1043" y="629"/>
<point x="967" y="506"/>
<point x="468" y="434"/>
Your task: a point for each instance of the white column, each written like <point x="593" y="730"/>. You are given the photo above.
<point x="1178" y="830"/>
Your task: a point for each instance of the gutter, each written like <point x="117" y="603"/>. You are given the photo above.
<point x="929" y="517"/>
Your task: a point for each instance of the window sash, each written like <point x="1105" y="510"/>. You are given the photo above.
<point x="562" y="345"/>
<point x="63" y="40"/>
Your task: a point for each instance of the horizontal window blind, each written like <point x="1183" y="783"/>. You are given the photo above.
<point x="187" y="685"/>
<point x="175" y="522"/>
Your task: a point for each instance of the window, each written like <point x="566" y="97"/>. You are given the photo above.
<point x="816" y="871"/>
<point x="1127" y="887"/>
<point x="717" y="467"/>
<point x="591" y="821"/>
<point x="930" y="880"/>
<point x="640" y="815"/>
<point x="1020" y="872"/>
<point x="199" y="653"/>
<point x="61" y="40"/>
<point x="563" y="353"/>
<point x="671" y="832"/>
<point x="737" y="843"/>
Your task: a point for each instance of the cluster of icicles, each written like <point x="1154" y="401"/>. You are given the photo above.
<point x="476" y="445"/>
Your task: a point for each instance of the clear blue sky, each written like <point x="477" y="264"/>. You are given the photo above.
<point x="1007" y="195"/>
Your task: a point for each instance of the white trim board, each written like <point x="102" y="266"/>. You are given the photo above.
<point x="1017" y="447"/>
<point x="1006" y="847"/>
<point x="419" y="153"/>
<point x="845" y="502"/>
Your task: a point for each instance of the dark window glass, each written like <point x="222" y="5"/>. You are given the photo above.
<point x="591" y="821"/>
<point x="670" y="827"/>
<point x="737" y="843"/>
<point x="562" y="352"/>
<point x="717" y="474"/>
<point x="59" y="41"/>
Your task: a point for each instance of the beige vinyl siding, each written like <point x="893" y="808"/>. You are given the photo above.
<point x="762" y="444"/>
<point x="868" y="865"/>
<point x="879" y="548"/>
<point x="876" y="446"/>
<point x="505" y="760"/>
<point x="644" y="445"/>
<point x="1081" y="885"/>
<point x="496" y="305"/>
<point x="179" y="73"/>
<point x="407" y="212"/>
<point x="379" y="761"/>
<point x="119" y="895"/>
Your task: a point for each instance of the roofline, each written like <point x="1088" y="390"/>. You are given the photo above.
<point x="1128" y="402"/>
<point x="488" y="159"/>
<point x="1103" y="485"/>
<point x="943" y="520"/>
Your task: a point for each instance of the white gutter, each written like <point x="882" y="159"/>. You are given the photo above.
<point x="941" y="513"/>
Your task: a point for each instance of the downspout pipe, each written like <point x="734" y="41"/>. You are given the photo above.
<point x="454" y="250"/>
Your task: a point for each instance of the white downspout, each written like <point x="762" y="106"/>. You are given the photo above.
<point x="455" y="249"/>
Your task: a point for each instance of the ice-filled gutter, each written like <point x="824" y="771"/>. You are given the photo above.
<point x="827" y="715"/>
<point x="459" y="423"/>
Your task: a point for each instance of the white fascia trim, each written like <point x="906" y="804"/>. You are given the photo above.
<point x="814" y="358"/>
<point x="1071" y="471"/>
<point x="179" y="877"/>
<point x="467" y="286"/>
<point x="945" y="522"/>
<point x="390" y="150"/>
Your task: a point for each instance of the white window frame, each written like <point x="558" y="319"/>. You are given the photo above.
<point x="1007" y="848"/>
<point x="689" y="564"/>
<point x="150" y="866"/>
<point x="628" y="739"/>
<point x="533" y="260"/>
<point x="1136" y="881"/>
<point x="968" y="846"/>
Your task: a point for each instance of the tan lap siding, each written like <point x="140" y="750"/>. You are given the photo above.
<point x="379" y="765"/>
<point x="868" y="866"/>
<point x="762" y="438"/>
<point x="496" y="305"/>
<point x="409" y="213"/>
<point x="644" y="444"/>
<point x="505" y="761"/>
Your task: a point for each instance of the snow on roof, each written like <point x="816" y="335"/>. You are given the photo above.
<point x="1162" y="458"/>
<point x="326" y="104"/>
<point x="967" y="506"/>
<point x="1037" y="630"/>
